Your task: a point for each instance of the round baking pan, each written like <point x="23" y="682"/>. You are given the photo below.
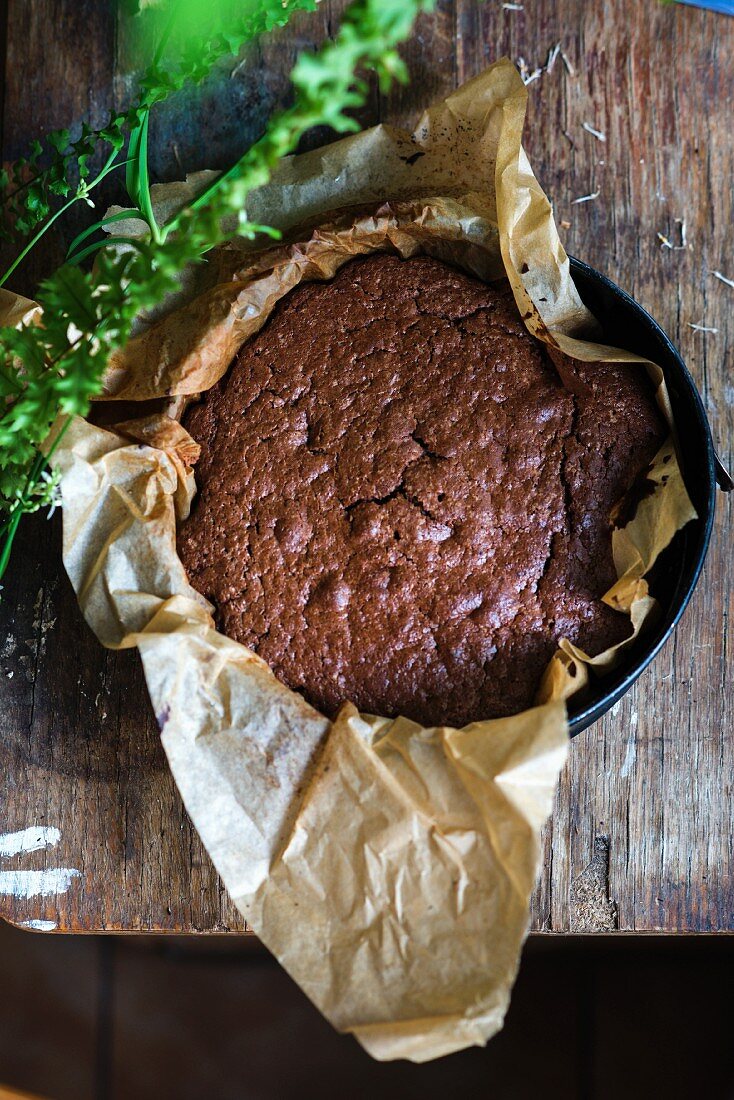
<point x="627" y="325"/>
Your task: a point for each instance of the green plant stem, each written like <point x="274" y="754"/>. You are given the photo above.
<point x="11" y="526"/>
<point x="9" y="529"/>
<point x="9" y="533"/>
<point x="146" y="205"/>
<point x="34" y="240"/>
<point x="165" y="35"/>
<point x="92" y="248"/>
<point x="109" y="166"/>
<point x="202" y="198"/>
<point x="23" y="186"/>
<point x="120" y="216"/>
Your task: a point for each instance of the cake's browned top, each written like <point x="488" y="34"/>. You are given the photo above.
<point x="399" y="502"/>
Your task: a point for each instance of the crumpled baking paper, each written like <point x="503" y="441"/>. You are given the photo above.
<point x="387" y="866"/>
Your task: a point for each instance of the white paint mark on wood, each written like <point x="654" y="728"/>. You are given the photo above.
<point x="567" y="62"/>
<point x="29" y="840"/>
<point x="682" y="229"/>
<point x="629" y="757"/>
<point x="39" y="925"/>
<point x="550" y="60"/>
<point x="598" y="134"/>
<point x="586" y="198"/>
<point x="37" y="884"/>
<point x="631" y="753"/>
<point x="527" y="76"/>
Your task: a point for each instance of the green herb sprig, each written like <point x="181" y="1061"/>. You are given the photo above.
<point x="28" y="191"/>
<point x="50" y="373"/>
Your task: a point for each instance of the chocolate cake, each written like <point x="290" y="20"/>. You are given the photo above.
<point x="400" y="501"/>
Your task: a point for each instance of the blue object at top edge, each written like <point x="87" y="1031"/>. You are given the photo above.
<point x="726" y="7"/>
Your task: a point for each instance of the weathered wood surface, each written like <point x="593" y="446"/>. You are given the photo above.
<point x="641" y="835"/>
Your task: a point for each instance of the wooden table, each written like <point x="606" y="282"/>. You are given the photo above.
<point x="641" y="836"/>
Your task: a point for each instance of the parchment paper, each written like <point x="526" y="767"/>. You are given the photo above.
<point x="387" y="866"/>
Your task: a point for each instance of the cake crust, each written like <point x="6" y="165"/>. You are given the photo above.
<point x="400" y="502"/>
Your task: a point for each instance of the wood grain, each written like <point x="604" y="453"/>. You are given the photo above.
<point x="78" y="745"/>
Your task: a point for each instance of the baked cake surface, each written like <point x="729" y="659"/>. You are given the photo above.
<point x="400" y="504"/>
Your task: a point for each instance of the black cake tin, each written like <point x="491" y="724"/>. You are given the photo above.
<point x="627" y="325"/>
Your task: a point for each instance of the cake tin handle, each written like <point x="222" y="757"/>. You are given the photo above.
<point x="723" y="477"/>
